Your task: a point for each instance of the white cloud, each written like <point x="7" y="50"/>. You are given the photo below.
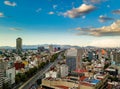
<point x="1" y="15"/>
<point x="112" y="30"/>
<point x="93" y="1"/>
<point x="15" y="29"/>
<point x="116" y="11"/>
<point x="106" y="42"/>
<point x="80" y="11"/>
<point x="39" y="9"/>
<point x="104" y="18"/>
<point x="6" y="2"/>
<point x="51" y="13"/>
<point x="59" y="13"/>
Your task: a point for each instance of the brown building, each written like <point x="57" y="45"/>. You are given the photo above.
<point x="19" y="44"/>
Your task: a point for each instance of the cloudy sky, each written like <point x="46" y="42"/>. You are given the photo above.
<point x="72" y="22"/>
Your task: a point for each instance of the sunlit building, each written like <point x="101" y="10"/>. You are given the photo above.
<point x="19" y="44"/>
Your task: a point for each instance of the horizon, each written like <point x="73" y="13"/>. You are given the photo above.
<point x="74" y="22"/>
<point x="4" y="47"/>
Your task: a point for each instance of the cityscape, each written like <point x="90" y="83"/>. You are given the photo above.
<point x="59" y="44"/>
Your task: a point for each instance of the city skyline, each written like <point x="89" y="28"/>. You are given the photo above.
<point x="73" y="22"/>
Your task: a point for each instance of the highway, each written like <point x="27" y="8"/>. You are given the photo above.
<point x="32" y="80"/>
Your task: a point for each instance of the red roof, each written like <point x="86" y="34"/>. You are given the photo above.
<point x="80" y="70"/>
<point x="103" y="52"/>
<point x="82" y="78"/>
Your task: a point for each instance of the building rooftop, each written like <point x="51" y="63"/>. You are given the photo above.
<point x="62" y="87"/>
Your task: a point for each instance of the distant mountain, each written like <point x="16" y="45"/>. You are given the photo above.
<point x="6" y="47"/>
<point x="30" y="46"/>
<point x="45" y="45"/>
<point x="36" y="46"/>
<point x="91" y="47"/>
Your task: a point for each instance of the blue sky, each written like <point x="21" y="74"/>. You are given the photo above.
<point x="72" y="22"/>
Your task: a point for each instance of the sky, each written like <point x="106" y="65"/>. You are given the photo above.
<point x="65" y="22"/>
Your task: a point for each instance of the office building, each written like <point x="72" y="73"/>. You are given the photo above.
<point x="71" y="55"/>
<point x="79" y="58"/>
<point x="51" y="48"/>
<point x="19" y="44"/>
<point x="90" y="55"/>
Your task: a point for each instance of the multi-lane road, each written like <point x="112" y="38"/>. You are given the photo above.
<point x="37" y="76"/>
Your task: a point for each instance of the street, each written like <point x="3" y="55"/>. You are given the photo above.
<point x="32" y="80"/>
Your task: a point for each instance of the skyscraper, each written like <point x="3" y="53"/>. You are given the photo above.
<point x="19" y="44"/>
<point x="79" y="58"/>
<point x="51" y="48"/>
<point x="71" y="55"/>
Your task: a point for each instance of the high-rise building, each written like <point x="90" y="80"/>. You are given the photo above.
<point x="19" y="44"/>
<point x="51" y="48"/>
<point x="71" y="55"/>
<point x="1" y="80"/>
<point x="74" y="58"/>
<point x="79" y="58"/>
<point x="90" y="55"/>
<point x="116" y="57"/>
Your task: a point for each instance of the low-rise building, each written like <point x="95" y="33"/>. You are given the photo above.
<point x="10" y="74"/>
<point x="63" y="70"/>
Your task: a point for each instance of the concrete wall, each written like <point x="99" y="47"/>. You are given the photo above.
<point x="53" y="83"/>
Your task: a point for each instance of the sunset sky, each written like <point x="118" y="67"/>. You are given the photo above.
<point x="71" y="22"/>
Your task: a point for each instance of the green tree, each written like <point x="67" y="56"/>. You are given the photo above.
<point x="106" y="65"/>
<point x="54" y="57"/>
<point x="6" y="86"/>
<point x="23" y="77"/>
<point x="17" y="79"/>
<point x="42" y="64"/>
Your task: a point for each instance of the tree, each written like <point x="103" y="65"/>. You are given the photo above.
<point x="63" y="55"/>
<point x="54" y="57"/>
<point x="39" y="66"/>
<point x="17" y="79"/>
<point x="47" y="62"/>
<point x="27" y="73"/>
<point x="6" y="86"/>
<point x="42" y="64"/>
<point x="106" y="65"/>
<point x="23" y="77"/>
